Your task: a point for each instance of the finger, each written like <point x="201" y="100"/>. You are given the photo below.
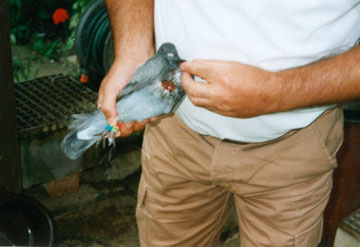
<point x="99" y="101"/>
<point x="108" y="105"/>
<point x="126" y="133"/>
<point x="194" y="88"/>
<point x="138" y="126"/>
<point x="198" y="68"/>
<point x="153" y="119"/>
<point x="213" y="109"/>
<point x="201" y="102"/>
<point x="100" y="95"/>
<point x="208" y="62"/>
<point x="112" y="121"/>
<point x="126" y="129"/>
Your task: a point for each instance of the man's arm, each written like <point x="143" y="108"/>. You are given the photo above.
<point x="333" y="80"/>
<point x="133" y="28"/>
<point x="240" y="90"/>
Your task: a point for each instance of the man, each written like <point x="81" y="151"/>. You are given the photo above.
<point x="262" y="132"/>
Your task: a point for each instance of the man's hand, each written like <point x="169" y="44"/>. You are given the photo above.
<point x="116" y="79"/>
<point x="132" y="29"/>
<point x="240" y="90"/>
<point x="232" y="89"/>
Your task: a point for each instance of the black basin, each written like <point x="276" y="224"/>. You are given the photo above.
<point x="24" y="221"/>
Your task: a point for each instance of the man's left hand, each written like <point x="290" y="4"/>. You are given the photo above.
<point x="232" y="89"/>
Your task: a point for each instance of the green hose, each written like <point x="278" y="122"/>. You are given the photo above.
<point x="97" y="31"/>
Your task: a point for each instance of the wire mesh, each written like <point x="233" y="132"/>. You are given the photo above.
<point x="45" y="104"/>
<point x="351" y="224"/>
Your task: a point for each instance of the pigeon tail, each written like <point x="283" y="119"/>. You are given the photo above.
<point x="86" y="130"/>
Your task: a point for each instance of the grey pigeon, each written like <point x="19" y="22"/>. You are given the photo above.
<point x="154" y="90"/>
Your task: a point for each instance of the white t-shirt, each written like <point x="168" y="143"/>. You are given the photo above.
<point x="270" y="34"/>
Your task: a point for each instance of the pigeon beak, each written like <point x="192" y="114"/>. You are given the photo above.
<point x="180" y="61"/>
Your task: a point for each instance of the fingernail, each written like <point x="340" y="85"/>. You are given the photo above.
<point x="183" y="65"/>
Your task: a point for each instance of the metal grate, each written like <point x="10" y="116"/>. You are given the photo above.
<point x="351" y="224"/>
<point x="45" y="104"/>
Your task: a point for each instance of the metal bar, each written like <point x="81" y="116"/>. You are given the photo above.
<point x="10" y="168"/>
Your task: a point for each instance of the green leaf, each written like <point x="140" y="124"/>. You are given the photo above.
<point x="74" y="20"/>
<point x="36" y="73"/>
<point x="75" y="5"/>
<point x="21" y="28"/>
<point x="69" y="43"/>
<point x="83" y="3"/>
<point x="18" y="3"/>
<point x="22" y="72"/>
<point x="13" y="39"/>
<point x="43" y="14"/>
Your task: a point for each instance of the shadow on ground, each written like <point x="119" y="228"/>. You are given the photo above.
<point x="101" y="214"/>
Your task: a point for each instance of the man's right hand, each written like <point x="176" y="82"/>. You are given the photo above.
<point x="116" y="79"/>
<point x="132" y="24"/>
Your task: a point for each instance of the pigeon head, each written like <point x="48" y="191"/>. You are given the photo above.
<point x="169" y="52"/>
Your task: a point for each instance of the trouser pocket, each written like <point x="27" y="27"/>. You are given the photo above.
<point x="141" y="212"/>
<point x="310" y="237"/>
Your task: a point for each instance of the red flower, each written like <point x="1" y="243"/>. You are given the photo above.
<point x="60" y="15"/>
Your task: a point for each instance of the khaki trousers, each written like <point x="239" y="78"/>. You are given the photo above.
<point x="280" y="188"/>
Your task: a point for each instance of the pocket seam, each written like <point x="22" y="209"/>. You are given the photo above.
<point x="332" y="160"/>
<point x="298" y="235"/>
<point x="142" y="195"/>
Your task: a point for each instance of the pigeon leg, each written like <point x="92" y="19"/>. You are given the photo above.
<point x="104" y="135"/>
<point x="108" y="134"/>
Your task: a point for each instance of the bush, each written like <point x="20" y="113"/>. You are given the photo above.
<point x="33" y="25"/>
<point x="78" y="8"/>
<point x="35" y="17"/>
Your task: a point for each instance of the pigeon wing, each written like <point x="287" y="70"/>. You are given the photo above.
<point x="145" y="74"/>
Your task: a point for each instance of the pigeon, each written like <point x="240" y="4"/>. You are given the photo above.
<point x="155" y="89"/>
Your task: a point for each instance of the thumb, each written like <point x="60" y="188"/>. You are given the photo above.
<point x="108" y="107"/>
<point x="199" y="68"/>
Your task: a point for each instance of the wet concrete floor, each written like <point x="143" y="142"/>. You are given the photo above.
<point x="100" y="214"/>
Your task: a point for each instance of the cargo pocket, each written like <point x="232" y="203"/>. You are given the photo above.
<point x="141" y="195"/>
<point x="328" y="130"/>
<point x="141" y="215"/>
<point x="311" y="237"/>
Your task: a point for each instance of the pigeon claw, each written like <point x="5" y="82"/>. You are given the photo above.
<point x="108" y="135"/>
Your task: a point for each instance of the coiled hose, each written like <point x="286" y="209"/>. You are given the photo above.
<point x="92" y="41"/>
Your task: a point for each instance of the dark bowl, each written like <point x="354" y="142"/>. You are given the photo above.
<point x="24" y="221"/>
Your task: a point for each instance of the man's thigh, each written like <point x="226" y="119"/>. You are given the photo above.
<point x="178" y="205"/>
<point x="290" y="216"/>
<point x="281" y="187"/>
<point x="281" y="201"/>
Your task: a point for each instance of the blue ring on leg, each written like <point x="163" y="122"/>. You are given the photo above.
<point x="108" y="128"/>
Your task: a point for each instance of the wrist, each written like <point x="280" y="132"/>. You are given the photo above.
<point x="280" y="91"/>
<point x="131" y="60"/>
<point x="133" y="54"/>
<point x="289" y="90"/>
